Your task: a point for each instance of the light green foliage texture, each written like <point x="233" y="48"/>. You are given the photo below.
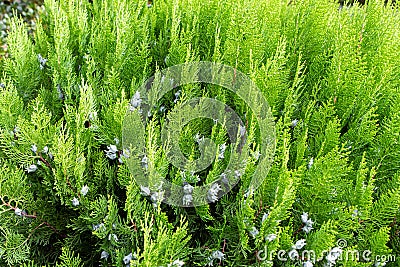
<point x="331" y="77"/>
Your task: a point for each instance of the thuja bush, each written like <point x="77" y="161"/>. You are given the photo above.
<point x="330" y="76"/>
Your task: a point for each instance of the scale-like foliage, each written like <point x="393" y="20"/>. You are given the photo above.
<point x="68" y="188"/>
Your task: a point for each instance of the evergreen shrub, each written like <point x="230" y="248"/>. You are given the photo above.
<point x="330" y="76"/>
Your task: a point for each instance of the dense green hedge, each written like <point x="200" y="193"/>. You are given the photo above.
<point x="330" y="75"/>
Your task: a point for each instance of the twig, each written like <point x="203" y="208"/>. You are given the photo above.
<point x="298" y="230"/>
<point x="234" y="76"/>
<point x="44" y="161"/>
<point x="134" y="225"/>
<point x="260" y="208"/>
<point x="24" y="214"/>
